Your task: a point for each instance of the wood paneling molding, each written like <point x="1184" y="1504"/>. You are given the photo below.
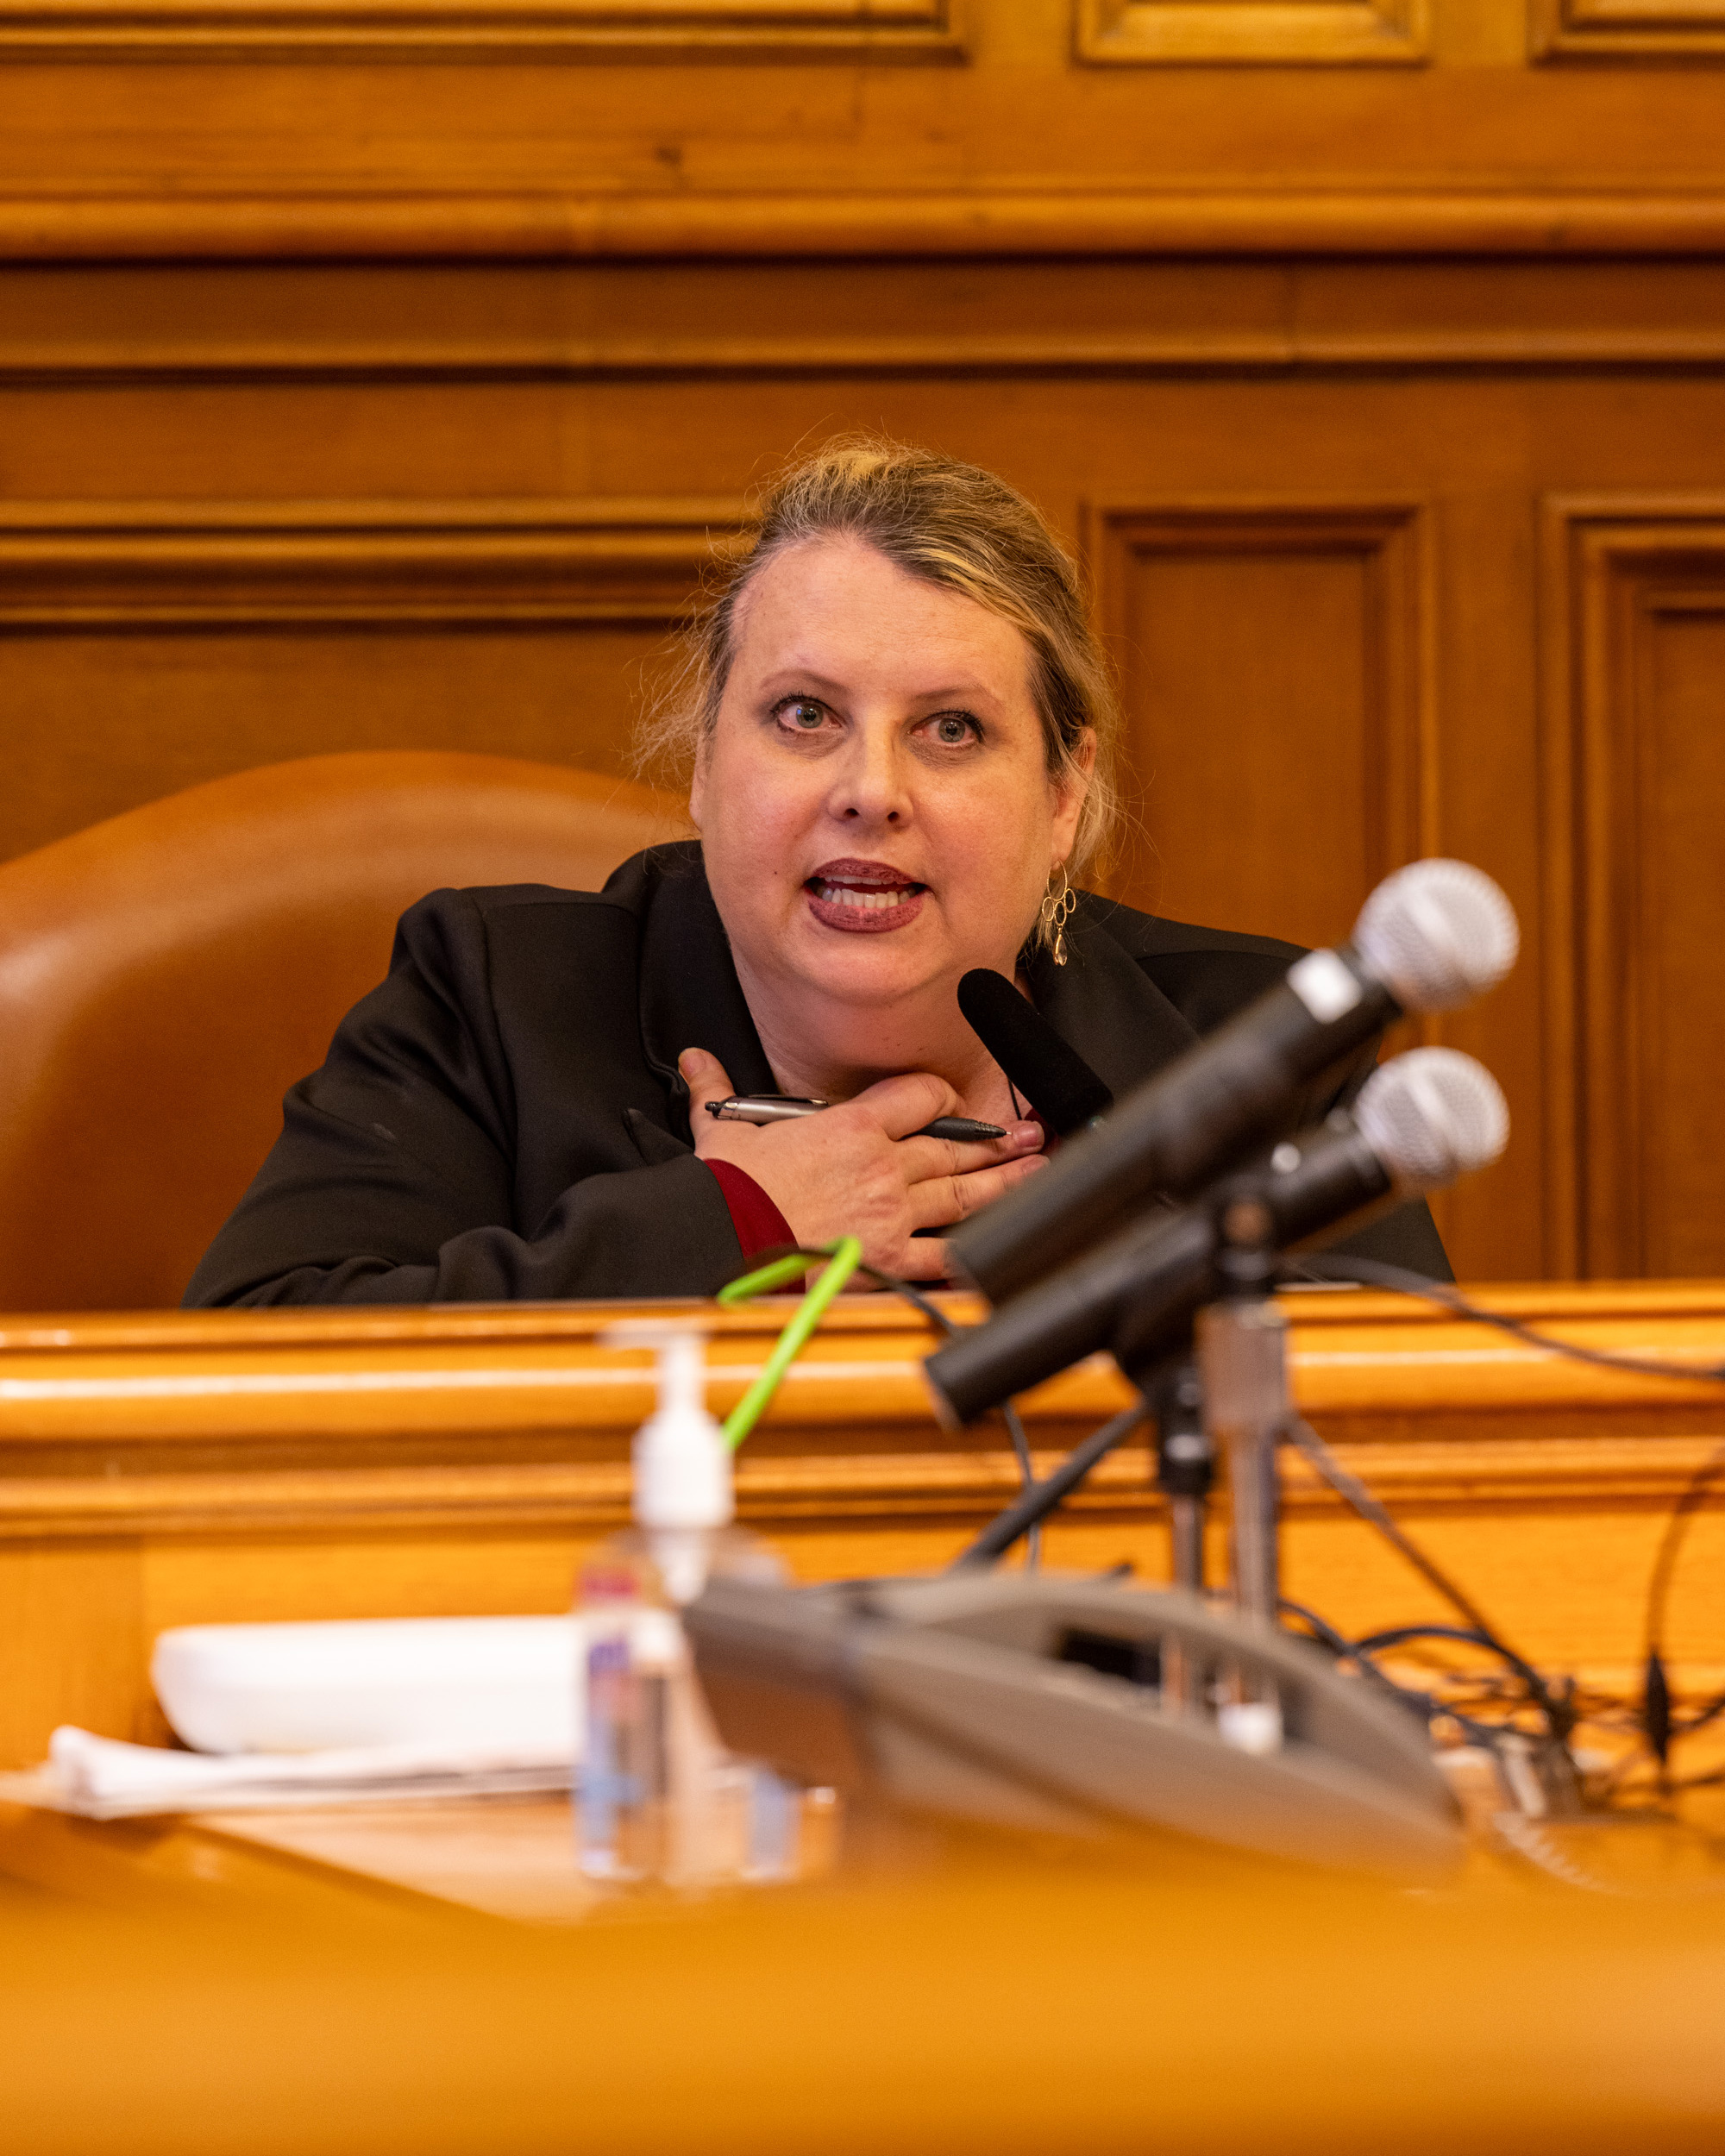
<point x="1630" y="30"/>
<point x="602" y="30"/>
<point x="315" y="1420"/>
<point x="982" y="222"/>
<point x="1636" y="976"/>
<point x="1253" y="32"/>
<point x="1321" y="732"/>
<point x="137" y="565"/>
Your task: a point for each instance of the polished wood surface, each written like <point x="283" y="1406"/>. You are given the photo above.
<point x="970" y="1996"/>
<point x="178" y="1469"/>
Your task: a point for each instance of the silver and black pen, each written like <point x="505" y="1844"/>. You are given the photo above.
<point x="784" y="1108"/>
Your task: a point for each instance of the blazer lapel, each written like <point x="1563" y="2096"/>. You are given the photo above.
<point x="1103" y="1004"/>
<point x="690" y="994"/>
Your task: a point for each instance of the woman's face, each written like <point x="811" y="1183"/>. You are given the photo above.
<point x="874" y="803"/>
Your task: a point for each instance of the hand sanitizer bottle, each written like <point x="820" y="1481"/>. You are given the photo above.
<point x="660" y="1800"/>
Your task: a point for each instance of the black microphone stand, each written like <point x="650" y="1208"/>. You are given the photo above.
<point x="1233" y="1398"/>
<point x="1185" y="1464"/>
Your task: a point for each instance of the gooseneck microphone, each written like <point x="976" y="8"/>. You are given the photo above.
<point x="1054" y="1078"/>
<point x="1421" y="1121"/>
<point x="1430" y="938"/>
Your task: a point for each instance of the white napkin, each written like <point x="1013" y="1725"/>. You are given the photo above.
<point x="100" y="1778"/>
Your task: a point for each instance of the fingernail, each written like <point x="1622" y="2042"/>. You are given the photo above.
<point x="1034" y="1160"/>
<point x="693" y="1062"/>
<point x="1025" y="1133"/>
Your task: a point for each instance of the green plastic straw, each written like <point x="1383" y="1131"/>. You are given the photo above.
<point x="847" y="1254"/>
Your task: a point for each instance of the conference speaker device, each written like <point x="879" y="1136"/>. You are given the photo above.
<point x="1075" y="1707"/>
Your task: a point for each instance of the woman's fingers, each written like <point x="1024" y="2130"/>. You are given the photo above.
<point x="924" y="1257"/>
<point x="932" y="1158"/>
<point x="943" y="1201"/>
<point x="902" y="1105"/>
<point x="704" y="1076"/>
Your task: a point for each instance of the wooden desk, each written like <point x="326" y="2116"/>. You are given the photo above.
<point x="981" y="1999"/>
<point x="341" y="1982"/>
<point x="185" y="1468"/>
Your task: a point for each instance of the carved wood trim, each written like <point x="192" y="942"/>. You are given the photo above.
<point x="1253" y="32"/>
<point x="1175" y="351"/>
<point x="1611" y="565"/>
<point x="1623" y="30"/>
<point x="346" y="1424"/>
<point x="880" y="31"/>
<point x="980" y="221"/>
<point x="188" y="564"/>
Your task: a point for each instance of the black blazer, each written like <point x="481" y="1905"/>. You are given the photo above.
<point x="502" y="1119"/>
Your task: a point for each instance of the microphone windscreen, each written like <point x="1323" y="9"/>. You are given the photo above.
<point x="1432" y="1115"/>
<point x="1055" y="1079"/>
<point x="1439" y="932"/>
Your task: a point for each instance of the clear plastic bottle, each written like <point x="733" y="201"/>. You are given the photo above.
<point x="660" y="1801"/>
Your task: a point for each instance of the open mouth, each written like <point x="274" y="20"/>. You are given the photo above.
<point x="864" y="895"/>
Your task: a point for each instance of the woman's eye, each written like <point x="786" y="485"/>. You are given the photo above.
<point x="805" y="717"/>
<point x="952" y="729"/>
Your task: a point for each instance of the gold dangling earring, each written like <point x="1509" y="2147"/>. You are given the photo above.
<point x="1058" y="905"/>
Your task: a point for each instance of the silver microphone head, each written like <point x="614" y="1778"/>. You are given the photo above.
<point x="1439" y="932"/>
<point x="1432" y="1115"/>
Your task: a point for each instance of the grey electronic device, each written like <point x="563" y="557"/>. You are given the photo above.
<point x="1073" y="1706"/>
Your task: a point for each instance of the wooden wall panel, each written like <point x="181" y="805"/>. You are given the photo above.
<point x="147" y="647"/>
<point x="1253" y="32"/>
<point x="595" y="30"/>
<point x="1296" y="347"/>
<point x="1630" y="30"/>
<point x="1275" y="704"/>
<point x="1637" y="742"/>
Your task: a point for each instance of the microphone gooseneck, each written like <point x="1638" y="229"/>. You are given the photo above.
<point x="1421" y="1121"/>
<point x="1430" y="938"/>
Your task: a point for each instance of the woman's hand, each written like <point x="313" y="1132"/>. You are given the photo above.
<point x="854" y="1169"/>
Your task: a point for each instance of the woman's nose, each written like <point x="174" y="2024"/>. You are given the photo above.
<point x="871" y="783"/>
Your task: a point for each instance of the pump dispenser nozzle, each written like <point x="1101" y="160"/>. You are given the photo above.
<point x="682" y="1464"/>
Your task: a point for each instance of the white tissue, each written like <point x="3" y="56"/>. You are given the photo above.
<point x="100" y="1778"/>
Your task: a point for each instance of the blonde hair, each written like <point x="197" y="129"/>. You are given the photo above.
<point x="952" y="524"/>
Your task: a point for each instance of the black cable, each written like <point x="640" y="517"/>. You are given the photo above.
<point x="1348" y="1486"/>
<point x="1368" y="1272"/>
<point x="1042" y="1497"/>
<point x="1381" y="1642"/>
<point x="1427" y="1705"/>
<point x="1015" y="1430"/>
<point x="1325" y="1633"/>
<point x="1658" y="1725"/>
<point x="1711" y="1711"/>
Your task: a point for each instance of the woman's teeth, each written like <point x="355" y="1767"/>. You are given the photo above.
<point x="851" y="894"/>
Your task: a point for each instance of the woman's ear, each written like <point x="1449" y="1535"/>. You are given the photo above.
<point x="1073" y="785"/>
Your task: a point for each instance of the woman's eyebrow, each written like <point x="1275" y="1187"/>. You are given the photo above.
<point x="795" y="677"/>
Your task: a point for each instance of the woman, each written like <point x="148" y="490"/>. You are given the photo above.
<point x="899" y="730"/>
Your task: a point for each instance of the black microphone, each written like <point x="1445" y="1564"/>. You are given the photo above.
<point x="1430" y="938"/>
<point x="1420" y="1122"/>
<point x="1054" y="1078"/>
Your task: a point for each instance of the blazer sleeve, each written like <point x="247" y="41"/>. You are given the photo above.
<point x="394" y="1178"/>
